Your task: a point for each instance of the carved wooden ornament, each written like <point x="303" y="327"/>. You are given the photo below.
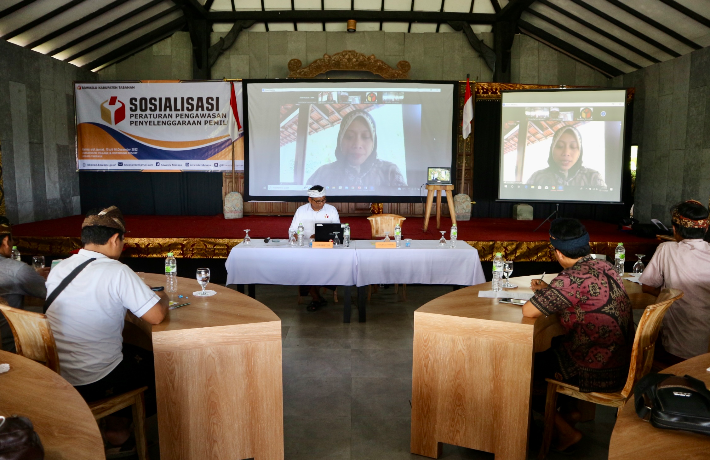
<point x="349" y="60"/>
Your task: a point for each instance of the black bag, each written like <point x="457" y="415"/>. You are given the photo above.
<point x="670" y="401"/>
<point x="18" y="440"/>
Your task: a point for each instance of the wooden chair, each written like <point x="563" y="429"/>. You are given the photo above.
<point x="641" y="362"/>
<point x="379" y="225"/>
<point x="34" y="340"/>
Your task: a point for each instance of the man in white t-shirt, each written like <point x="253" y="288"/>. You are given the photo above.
<point x="685" y="265"/>
<point x="87" y="319"/>
<point x="315" y="211"/>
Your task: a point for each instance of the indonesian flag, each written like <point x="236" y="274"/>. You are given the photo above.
<point x="467" y="111"/>
<point x="235" y="126"/>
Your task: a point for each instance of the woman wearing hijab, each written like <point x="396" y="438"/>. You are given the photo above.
<point x="356" y="157"/>
<point x="565" y="163"/>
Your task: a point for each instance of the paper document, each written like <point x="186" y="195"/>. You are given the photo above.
<point x="506" y="295"/>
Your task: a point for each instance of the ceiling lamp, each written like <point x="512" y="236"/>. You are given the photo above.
<point x="352" y="25"/>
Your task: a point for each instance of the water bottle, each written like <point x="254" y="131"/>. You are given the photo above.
<point x="346" y="235"/>
<point x="170" y="274"/>
<point x="498" y="264"/>
<point x="300" y="234"/>
<point x="619" y="258"/>
<point x="16" y="254"/>
<point x="453" y="235"/>
<point x="397" y="234"/>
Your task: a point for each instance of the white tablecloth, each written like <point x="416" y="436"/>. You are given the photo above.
<point x="424" y="262"/>
<point x="278" y="263"/>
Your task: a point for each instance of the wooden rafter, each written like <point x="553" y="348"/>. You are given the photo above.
<point x="42" y="19"/>
<point x="17" y="6"/>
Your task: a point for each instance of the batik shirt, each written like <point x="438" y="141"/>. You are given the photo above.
<point x="593" y="307"/>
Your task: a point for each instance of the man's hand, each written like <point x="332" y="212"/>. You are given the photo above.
<point x="157" y="313"/>
<point x="536" y="285"/>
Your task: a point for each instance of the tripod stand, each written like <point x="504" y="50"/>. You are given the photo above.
<point x="555" y="213"/>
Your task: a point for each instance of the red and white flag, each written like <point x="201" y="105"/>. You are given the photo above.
<point x="235" y="125"/>
<point x="467" y="111"/>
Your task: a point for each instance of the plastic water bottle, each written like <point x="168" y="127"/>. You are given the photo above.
<point x="300" y="234"/>
<point x="346" y="235"/>
<point x="397" y="234"/>
<point x="16" y="254"/>
<point x="453" y="235"/>
<point x="498" y="264"/>
<point x="619" y="258"/>
<point x="170" y="274"/>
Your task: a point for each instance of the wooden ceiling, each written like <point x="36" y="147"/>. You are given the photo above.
<point x="613" y="36"/>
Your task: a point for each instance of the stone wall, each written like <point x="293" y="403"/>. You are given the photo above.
<point x="533" y="62"/>
<point x="671" y="126"/>
<point x="37" y="134"/>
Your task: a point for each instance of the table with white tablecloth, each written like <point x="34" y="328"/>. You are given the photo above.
<point x="424" y="262"/>
<point x="361" y="264"/>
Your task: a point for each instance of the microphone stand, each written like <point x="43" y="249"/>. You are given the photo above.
<point x="555" y="213"/>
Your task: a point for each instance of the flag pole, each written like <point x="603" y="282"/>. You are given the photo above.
<point x="463" y="165"/>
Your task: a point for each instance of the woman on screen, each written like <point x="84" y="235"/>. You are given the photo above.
<point x="565" y="163"/>
<point x="356" y="157"/>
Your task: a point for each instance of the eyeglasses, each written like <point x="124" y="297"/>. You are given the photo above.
<point x="318" y="201"/>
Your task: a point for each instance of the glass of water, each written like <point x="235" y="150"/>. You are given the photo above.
<point x="639" y="266"/>
<point x="442" y="240"/>
<point x="247" y="238"/>
<point x="336" y="241"/>
<point x="37" y="262"/>
<point x="203" y="277"/>
<point x="507" y="271"/>
<point x="292" y="238"/>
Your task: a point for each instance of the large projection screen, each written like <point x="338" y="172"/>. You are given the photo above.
<point x="562" y="145"/>
<point x="362" y="140"/>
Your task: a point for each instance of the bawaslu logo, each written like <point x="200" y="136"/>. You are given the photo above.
<point x="113" y="111"/>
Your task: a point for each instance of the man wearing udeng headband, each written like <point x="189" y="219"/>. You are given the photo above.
<point x="356" y="157"/>
<point x="565" y="162"/>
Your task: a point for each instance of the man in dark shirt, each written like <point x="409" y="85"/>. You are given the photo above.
<point x="592" y="305"/>
<point x="17" y="280"/>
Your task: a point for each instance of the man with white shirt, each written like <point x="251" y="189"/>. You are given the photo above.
<point x="315" y="211"/>
<point x="87" y="317"/>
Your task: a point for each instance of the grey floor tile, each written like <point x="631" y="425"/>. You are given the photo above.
<point x="376" y="397"/>
<point x="324" y="438"/>
<point x="372" y="335"/>
<point x="315" y="362"/>
<point x="381" y="438"/>
<point x="284" y="331"/>
<point x="315" y="397"/>
<point x="381" y="363"/>
<point x="314" y="342"/>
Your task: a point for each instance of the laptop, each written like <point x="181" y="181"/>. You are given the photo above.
<point x="324" y="232"/>
<point x="438" y="176"/>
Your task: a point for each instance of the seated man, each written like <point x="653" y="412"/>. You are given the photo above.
<point x="589" y="297"/>
<point x="87" y="319"/>
<point x="17" y="279"/>
<point x="685" y="265"/>
<point x="315" y="211"/>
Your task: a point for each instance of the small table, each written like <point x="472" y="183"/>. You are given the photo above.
<point x="60" y="416"/>
<point x="634" y="438"/>
<point x="430" y="197"/>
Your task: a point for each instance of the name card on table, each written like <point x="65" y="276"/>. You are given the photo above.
<point x="323" y="245"/>
<point x="386" y="245"/>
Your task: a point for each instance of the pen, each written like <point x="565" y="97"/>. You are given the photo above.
<point x="543" y="276"/>
<point x="178" y="306"/>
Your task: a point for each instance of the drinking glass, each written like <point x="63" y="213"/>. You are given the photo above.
<point x="336" y="241"/>
<point x="442" y="241"/>
<point x="203" y="277"/>
<point x="507" y="271"/>
<point x="639" y="266"/>
<point x="292" y="238"/>
<point x="37" y="262"/>
<point x="387" y="236"/>
<point x="247" y="238"/>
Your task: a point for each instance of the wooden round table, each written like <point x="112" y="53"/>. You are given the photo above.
<point x="60" y="415"/>
<point x="633" y="438"/>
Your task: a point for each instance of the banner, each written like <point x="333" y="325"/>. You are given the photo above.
<point x="159" y="126"/>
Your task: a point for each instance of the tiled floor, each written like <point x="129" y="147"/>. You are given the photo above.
<point x="347" y="387"/>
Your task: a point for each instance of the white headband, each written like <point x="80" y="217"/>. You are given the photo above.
<point x="316" y="193"/>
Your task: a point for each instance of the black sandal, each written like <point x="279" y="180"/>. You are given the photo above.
<point x="313" y="306"/>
